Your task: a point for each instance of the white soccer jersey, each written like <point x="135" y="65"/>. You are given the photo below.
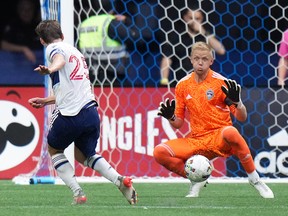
<point x="71" y="84"/>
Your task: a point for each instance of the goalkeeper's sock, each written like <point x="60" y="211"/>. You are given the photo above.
<point x="65" y="171"/>
<point x="239" y="147"/>
<point x="99" y="164"/>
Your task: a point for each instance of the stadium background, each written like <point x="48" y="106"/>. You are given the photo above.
<point x="251" y="32"/>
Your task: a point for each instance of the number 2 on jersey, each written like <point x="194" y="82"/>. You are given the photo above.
<point x="75" y="73"/>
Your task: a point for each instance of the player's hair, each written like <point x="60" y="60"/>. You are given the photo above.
<point x="49" y="30"/>
<point x="201" y="46"/>
<point x="192" y="8"/>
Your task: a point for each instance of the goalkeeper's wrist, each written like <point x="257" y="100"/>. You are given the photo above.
<point x="172" y="118"/>
<point x="239" y="105"/>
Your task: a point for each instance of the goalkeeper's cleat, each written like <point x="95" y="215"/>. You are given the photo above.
<point x="79" y="198"/>
<point x="195" y="189"/>
<point x="128" y="190"/>
<point x="263" y="189"/>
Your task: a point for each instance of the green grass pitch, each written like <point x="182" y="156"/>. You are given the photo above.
<point x="159" y="199"/>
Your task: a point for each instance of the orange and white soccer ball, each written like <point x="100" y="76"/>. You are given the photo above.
<point x="198" y="168"/>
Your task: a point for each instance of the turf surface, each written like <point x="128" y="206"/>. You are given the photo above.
<point x="155" y="199"/>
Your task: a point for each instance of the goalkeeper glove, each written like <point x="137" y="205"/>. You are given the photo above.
<point x="166" y="109"/>
<point x="233" y="92"/>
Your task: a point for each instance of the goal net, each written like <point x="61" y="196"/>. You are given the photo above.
<point x="128" y="88"/>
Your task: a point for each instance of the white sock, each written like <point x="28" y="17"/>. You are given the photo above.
<point x="99" y="164"/>
<point x="65" y="171"/>
<point x="253" y="177"/>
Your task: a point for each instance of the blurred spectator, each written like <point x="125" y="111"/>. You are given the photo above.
<point x="144" y="57"/>
<point x="143" y="15"/>
<point x="19" y="34"/>
<point x="283" y="61"/>
<point x="177" y="47"/>
<point x="104" y="40"/>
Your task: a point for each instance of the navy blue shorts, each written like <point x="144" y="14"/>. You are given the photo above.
<point x="82" y="129"/>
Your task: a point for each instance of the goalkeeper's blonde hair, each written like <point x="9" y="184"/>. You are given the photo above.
<point x="201" y="46"/>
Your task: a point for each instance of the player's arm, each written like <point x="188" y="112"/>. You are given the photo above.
<point x="241" y="113"/>
<point x="29" y="54"/>
<point x="177" y="122"/>
<point x="282" y="70"/>
<point x="165" y="66"/>
<point x="41" y="102"/>
<point x="216" y="45"/>
<point x="233" y="92"/>
<point x="58" y="62"/>
<point x="166" y="110"/>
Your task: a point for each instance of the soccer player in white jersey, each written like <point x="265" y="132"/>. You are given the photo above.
<point x="75" y="118"/>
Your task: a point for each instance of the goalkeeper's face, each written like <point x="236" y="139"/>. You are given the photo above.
<point x="201" y="61"/>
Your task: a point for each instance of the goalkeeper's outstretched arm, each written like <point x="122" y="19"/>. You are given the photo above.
<point x="177" y="122"/>
<point x="241" y="113"/>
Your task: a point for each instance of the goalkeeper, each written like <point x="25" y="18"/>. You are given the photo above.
<point x="209" y="98"/>
<point x="75" y="118"/>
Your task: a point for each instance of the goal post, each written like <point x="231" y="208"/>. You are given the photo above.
<point x="67" y="26"/>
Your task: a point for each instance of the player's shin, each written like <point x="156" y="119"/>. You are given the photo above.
<point x="124" y="184"/>
<point x="240" y="148"/>
<point x="99" y="164"/>
<point x="65" y="171"/>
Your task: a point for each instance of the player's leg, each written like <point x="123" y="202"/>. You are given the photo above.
<point x="195" y="189"/>
<point x="66" y="172"/>
<point x="124" y="183"/>
<point x="99" y="164"/>
<point x="59" y="138"/>
<point x="168" y="155"/>
<point x="240" y="149"/>
<point x="85" y="147"/>
<point x="173" y="155"/>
